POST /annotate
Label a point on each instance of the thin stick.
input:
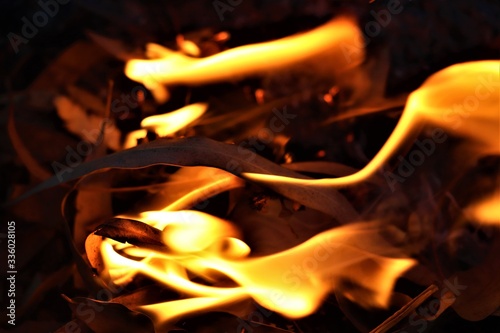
(405, 310)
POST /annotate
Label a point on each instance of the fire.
(293, 282)
(167, 124)
(462, 99)
(486, 210)
(205, 258)
(167, 67)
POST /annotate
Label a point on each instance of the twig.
(405, 310)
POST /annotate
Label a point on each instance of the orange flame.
(486, 210)
(166, 124)
(169, 123)
(293, 282)
(169, 67)
(462, 99)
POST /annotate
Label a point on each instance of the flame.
(187, 46)
(169, 123)
(166, 124)
(486, 210)
(463, 99)
(167, 67)
(132, 137)
(205, 258)
(293, 282)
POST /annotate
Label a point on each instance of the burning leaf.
(132, 232)
(201, 151)
(196, 184)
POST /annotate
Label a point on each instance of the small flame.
(166, 124)
(487, 210)
(462, 99)
(187, 46)
(169, 123)
(133, 137)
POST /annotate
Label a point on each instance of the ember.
(210, 176)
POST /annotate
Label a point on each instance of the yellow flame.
(166, 124)
(188, 47)
(463, 99)
(293, 282)
(328, 41)
(132, 137)
(487, 210)
(169, 123)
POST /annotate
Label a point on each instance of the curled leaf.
(107, 317)
(196, 151)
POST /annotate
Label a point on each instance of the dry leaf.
(197, 151)
(86, 126)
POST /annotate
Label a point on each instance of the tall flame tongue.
(293, 282)
(329, 41)
(462, 99)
